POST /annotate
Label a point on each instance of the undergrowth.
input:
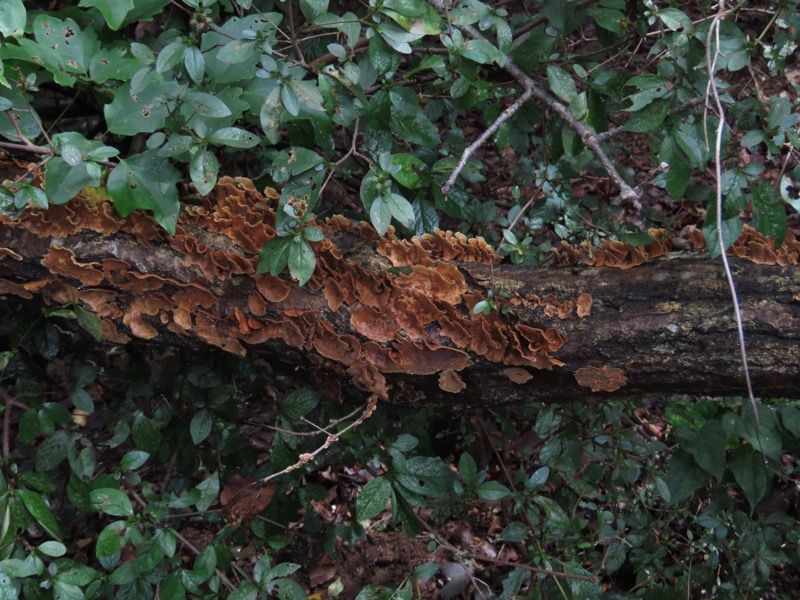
(135, 474)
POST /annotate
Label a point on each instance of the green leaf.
(145, 434)
(82, 400)
(294, 161)
(209, 490)
(555, 517)
(561, 83)
(731, 228)
(302, 260)
(381, 56)
(238, 51)
(207, 105)
(401, 209)
(514, 532)
(684, 477)
(299, 403)
(234, 137)
(769, 214)
(62, 181)
(112, 539)
(247, 592)
(648, 118)
(205, 564)
(170, 55)
(12, 18)
(373, 498)
(143, 112)
(468, 469)
(133, 460)
(308, 95)
(290, 100)
(146, 182)
(194, 63)
(51, 548)
(680, 170)
(200, 426)
(539, 477)
(203, 170)
(52, 451)
(313, 234)
(89, 322)
(482, 52)
(380, 215)
(287, 589)
(274, 256)
(411, 171)
(111, 501)
(492, 490)
(706, 446)
(40, 511)
(751, 474)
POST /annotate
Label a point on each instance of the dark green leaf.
(514, 532)
(684, 477)
(133, 460)
(555, 516)
(52, 451)
(648, 118)
(40, 511)
(89, 322)
(209, 490)
(706, 446)
(299, 403)
(561, 83)
(145, 434)
(82, 400)
(751, 474)
(769, 214)
(200, 426)
(468, 469)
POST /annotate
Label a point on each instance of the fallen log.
(395, 317)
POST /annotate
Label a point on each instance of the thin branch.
(192, 548)
(533, 89)
(332, 438)
(607, 135)
(467, 154)
(711, 64)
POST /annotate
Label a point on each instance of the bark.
(394, 318)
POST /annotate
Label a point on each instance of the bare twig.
(332, 438)
(192, 548)
(533, 89)
(714, 96)
(467, 154)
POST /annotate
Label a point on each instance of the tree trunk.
(394, 318)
